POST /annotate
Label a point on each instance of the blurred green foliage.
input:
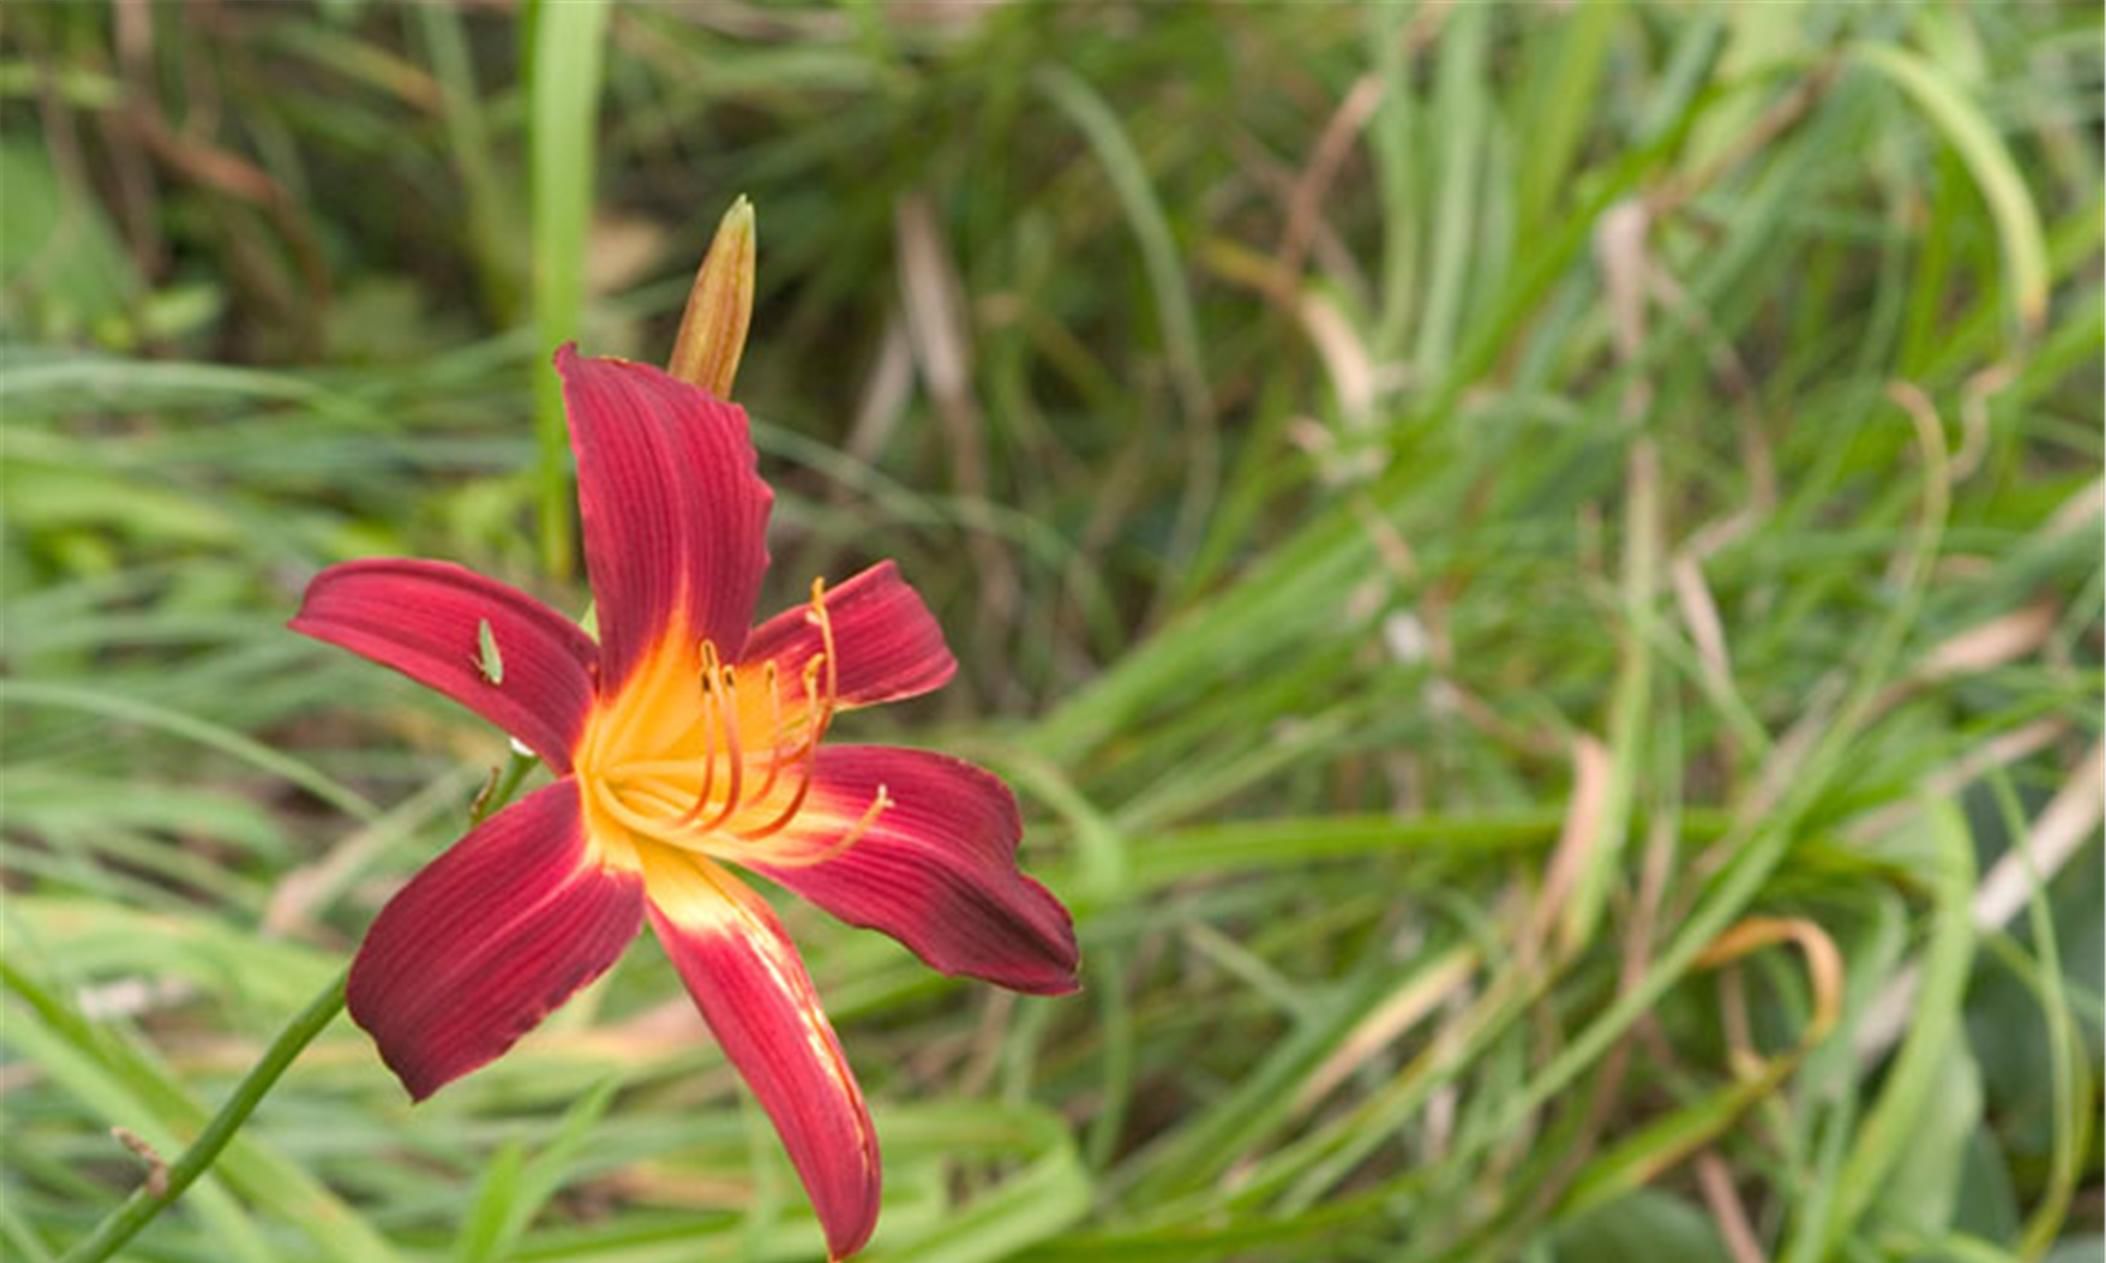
(1445, 510)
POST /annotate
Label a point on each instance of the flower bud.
(719, 307)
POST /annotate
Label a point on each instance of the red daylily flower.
(681, 741)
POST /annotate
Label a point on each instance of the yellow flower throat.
(697, 755)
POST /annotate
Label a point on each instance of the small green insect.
(490, 662)
(481, 806)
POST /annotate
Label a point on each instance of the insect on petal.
(439, 624)
(935, 868)
(490, 938)
(746, 978)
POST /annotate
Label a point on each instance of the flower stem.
(138, 1210)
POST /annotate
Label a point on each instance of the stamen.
(707, 652)
(775, 759)
(825, 620)
(728, 707)
(671, 799)
(819, 710)
(877, 807)
(807, 755)
(656, 827)
(814, 701)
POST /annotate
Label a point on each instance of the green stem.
(139, 1209)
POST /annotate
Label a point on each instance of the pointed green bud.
(719, 308)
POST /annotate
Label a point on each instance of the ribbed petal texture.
(424, 619)
(746, 978)
(489, 939)
(936, 869)
(890, 645)
(675, 513)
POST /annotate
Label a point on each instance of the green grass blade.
(1948, 106)
(566, 70)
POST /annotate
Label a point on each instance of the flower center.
(698, 755)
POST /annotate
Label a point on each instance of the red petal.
(423, 618)
(675, 516)
(746, 977)
(889, 643)
(489, 939)
(935, 870)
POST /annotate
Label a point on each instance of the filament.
(707, 652)
(775, 760)
(656, 827)
(807, 755)
(728, 709)
(647, 794)
(877, 807)
(819, 707)
(825, 620)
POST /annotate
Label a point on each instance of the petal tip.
(1061, 979)
(856, 1237)
(416, 1083)
(1053, 988)
(752, 989)
(419, 1090)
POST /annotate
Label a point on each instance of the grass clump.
(1538, 572)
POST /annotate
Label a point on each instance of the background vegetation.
(1532, 565)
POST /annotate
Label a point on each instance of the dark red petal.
(423, 619)
(935, 870)
(489, 939)
(675, 515)
(746, 977)
(889, 643)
